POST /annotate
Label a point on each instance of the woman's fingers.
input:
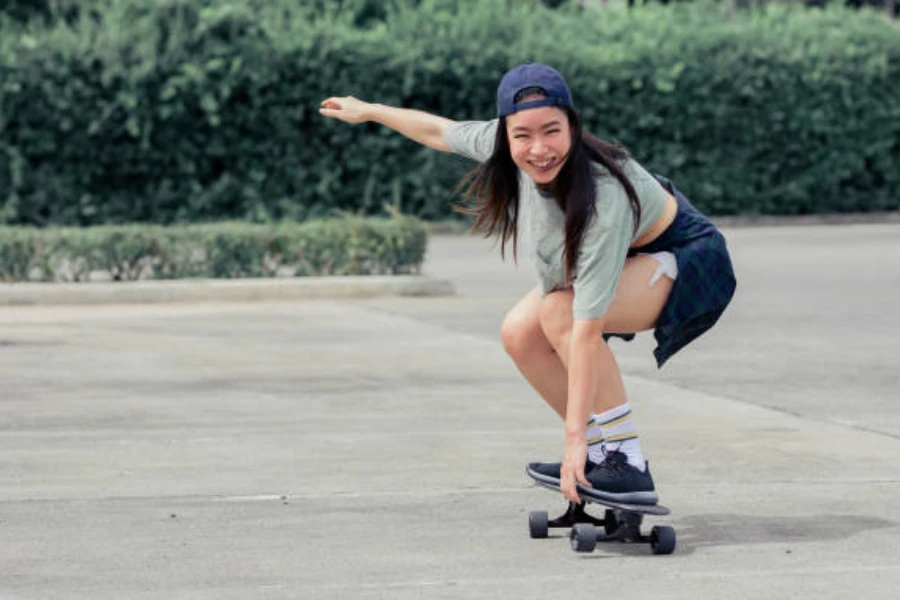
(347, 109)
(330, 103)
(580, 477)
(572, 469)
(567, 484)
(568, 489)
(330, 107)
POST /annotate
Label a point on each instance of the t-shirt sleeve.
(473, 139)
(604, 249)
(651, 193)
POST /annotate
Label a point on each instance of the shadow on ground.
(728, 529)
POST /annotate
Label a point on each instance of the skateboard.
(620, 523)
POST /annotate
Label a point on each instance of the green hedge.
(186, 111)
(345, 246)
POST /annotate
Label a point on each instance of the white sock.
(620, 433)
(594, 440)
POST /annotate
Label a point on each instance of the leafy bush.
(187, 111)
(345, 246)
(23, 10)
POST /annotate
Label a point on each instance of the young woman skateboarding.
(617, 251)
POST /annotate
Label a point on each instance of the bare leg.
(528, 327)
(525, 342)
(635, 307)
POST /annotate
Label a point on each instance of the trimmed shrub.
(182, 111)
(346, 246)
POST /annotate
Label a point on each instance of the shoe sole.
(643, 498)
(647, 498)
(545, 480)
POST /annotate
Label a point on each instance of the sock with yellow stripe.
(594, 440)
(619, 433)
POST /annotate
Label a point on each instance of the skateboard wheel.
(583, 537)
(662, 539)
(538, 524)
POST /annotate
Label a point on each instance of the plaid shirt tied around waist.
(705, 282)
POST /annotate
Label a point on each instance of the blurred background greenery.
(186, 111)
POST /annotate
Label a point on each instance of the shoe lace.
(614, 462)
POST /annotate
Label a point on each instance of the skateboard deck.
(621, 522)
(643, 509)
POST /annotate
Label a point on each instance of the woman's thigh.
(637, 304)
(635, 307)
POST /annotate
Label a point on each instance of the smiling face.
(539, 141)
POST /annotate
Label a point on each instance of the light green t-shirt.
(541, 225)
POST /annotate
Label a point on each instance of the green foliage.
(23, 10)
(184, 111)
(345, 246)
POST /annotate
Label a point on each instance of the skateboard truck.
(622, 526)
(539, 523)
(617, 525)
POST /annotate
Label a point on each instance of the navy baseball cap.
(532, 75)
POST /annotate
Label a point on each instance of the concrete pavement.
(374, 448)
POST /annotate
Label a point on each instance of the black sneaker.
(547, 474)
(615, 480)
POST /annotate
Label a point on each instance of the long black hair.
(491, 190)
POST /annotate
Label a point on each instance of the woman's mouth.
(543, 166)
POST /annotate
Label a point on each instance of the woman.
(617, 251)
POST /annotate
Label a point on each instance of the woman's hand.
(572, 470)
(424, 128)
(347, 109)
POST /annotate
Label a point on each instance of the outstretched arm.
(421, 127)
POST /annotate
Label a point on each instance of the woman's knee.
(519, 334)
(521, 329)
(556, 316)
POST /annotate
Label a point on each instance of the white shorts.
(668, 266)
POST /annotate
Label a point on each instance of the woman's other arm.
(595, 384)
(421, 127)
